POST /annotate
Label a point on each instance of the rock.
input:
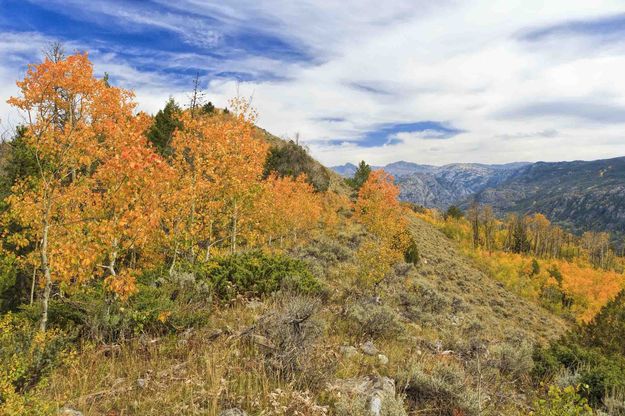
(372, 395)
(68, 411)
(382, 359)
(383, 391)
(368, 348)
(141, 383)
(254, 305)
(233, 412)
(348, 351)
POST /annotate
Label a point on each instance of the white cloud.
(465, 63)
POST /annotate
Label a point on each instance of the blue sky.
(430, 82)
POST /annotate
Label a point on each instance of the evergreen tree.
(454, 212)
(208, 108)
(292, 160)
(360, 176)
(607, 329)
(165, 123)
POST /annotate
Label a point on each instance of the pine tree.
(165, 123)
(360, 176)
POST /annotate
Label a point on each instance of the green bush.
(411, 255)
(602, 373)
(594, 351)
(291, 159)
(453, 212)
(256, 274)
(607, 330)
(26, 357)
(155, 309)
(562, 402)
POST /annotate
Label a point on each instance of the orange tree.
(379, 210)
(287, 208)
(76, 127)
(218, 165)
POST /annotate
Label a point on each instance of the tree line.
(534, 235)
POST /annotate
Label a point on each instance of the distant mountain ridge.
(578, 195)
(440, 186)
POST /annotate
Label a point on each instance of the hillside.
(423, 333)
(579, 195)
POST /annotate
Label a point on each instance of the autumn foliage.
(574, 276)
(104, 204)
(379, 210)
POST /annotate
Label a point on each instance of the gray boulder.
(233, 412)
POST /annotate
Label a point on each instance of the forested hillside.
(440, 186)
(191, 263)
(580, 196)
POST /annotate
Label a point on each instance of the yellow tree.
(287, 208)
(379, 210)
(73, 123)
(218, 164)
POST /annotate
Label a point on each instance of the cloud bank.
(429, 82)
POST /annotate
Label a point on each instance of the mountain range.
(578, 195)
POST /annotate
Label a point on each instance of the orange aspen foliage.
(130, 210)
(288, 208)
(75, 124)
(378, 208)
(218, 164)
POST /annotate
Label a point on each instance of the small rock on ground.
(233, 412)
(368, 348)
(68, 411)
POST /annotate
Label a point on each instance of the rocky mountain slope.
(580, 195)
(440, 186)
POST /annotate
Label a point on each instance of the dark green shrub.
(607, 329)
(595, 352)
(411, 255)
(601, 372)
(453, 212)
(256, 273)
(155, 309)
(291, 159)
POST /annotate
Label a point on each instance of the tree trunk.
(32, 286)
(45, 267)
(234, 229)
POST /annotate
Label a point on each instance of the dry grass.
(445, 307)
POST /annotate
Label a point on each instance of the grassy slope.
(503, 312)
(443, 304)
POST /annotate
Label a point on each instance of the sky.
(430, 82)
